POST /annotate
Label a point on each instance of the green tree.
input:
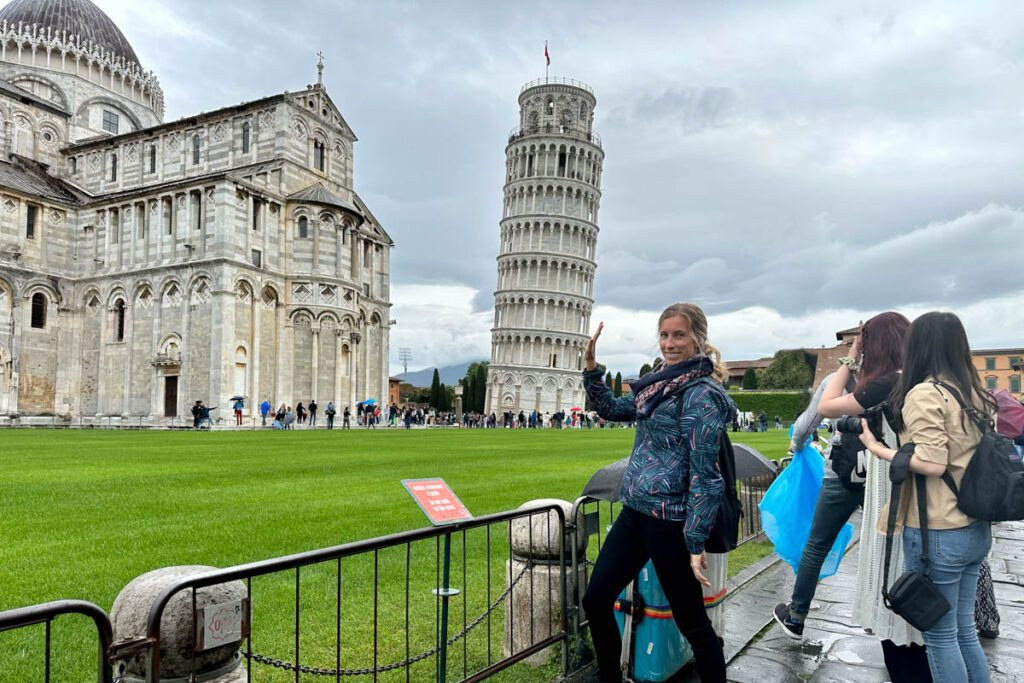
(750, 379)
(474, 384)
(435, 390)
(645, 368)
(443, 400)
(481, 386)
(608, 380)
(618, 385)
(788, 370)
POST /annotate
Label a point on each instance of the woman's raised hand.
(589, 356)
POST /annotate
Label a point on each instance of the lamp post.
(458, 404)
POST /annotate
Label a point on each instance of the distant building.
(738, 368)
(393, 397)
(1000, 369)
(826, 360)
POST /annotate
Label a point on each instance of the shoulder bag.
(914, 596)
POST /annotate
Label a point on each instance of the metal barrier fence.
(374, 548)
(45, 614)
(492, 535)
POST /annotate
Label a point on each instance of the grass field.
(84, 512)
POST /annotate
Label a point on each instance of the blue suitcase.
(650, 637)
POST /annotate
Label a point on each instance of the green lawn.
(84, 512)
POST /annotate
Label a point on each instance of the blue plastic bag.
(787, 510)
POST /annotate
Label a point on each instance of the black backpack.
(724, 533)
(992, 488)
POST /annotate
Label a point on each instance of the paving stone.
(758, 669)
(1015, 567)
(837, 672)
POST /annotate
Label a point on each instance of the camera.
(849, 424)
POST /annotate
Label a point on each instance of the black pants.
(633, 539)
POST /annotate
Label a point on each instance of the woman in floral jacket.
(671, 489)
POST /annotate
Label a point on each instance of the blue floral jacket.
(673, 469)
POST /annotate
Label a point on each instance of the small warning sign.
(437, 501)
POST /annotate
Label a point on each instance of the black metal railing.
(475, 534)
(45, 613)
(556, 80)
(570, 131)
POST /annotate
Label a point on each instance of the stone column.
(533, 609)
(339, 350)
(314, 366)
(128, 325)
(255, 394)
(218, 664)
(285, 358)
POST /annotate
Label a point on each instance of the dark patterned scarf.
(654, 387)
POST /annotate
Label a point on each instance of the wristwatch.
(849, 362)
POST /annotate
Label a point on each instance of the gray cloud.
(796, 157)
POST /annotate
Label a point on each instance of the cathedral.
(145, 265)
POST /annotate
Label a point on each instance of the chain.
(317, 671)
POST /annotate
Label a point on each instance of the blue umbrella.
(368, 402)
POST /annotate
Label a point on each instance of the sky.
(794, 168)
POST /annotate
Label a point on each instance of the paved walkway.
(834, 649)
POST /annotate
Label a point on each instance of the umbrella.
(1010, 416)
(606, 484)
(751, 463)
(237, 398)
(367, 402)
(575, 409)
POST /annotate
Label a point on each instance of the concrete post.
(533, 609)
(220, 664)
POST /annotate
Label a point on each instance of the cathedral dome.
(80, 18)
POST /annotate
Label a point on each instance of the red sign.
(437, 501)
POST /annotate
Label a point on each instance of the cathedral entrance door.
(171, 396)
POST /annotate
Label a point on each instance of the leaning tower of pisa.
(546, 262)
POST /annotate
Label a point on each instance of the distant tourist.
(330, 411)
(264, 411)
(238, 406)
(312, 413)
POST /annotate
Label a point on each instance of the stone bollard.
(714, 597)
(221, 664)
(533, 608)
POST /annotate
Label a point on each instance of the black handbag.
(914, 596)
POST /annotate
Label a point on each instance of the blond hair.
(699, 333)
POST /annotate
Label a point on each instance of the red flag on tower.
(546, 55)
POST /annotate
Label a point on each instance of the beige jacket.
(932, 420)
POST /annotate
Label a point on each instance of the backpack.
(724, 533)
(992, 488)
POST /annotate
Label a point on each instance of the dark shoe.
(791, 627)
(988, 634)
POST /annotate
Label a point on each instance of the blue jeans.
(955, 556)
(835, 505)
